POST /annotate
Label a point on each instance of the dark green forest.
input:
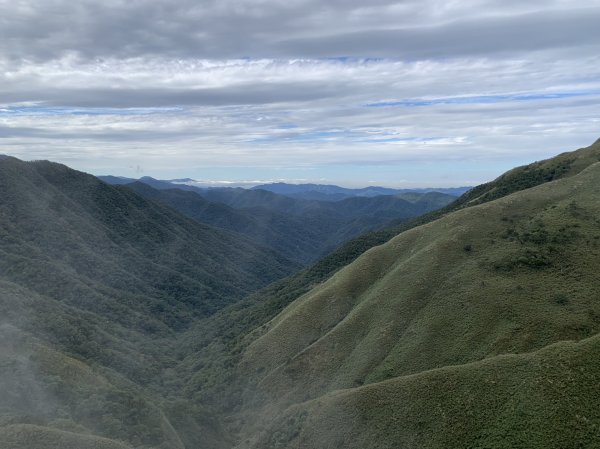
(301, 230)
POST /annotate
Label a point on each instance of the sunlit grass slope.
(542, 400)
(507, 276)
(511, 275)
(37, 437)
(228, 331)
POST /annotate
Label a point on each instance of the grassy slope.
(509, 276)
(513, 181)
(220, 341)
(542, 400)
(148, 416)
(36, 437)
(520, 178)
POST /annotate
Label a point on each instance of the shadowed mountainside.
(300, 230)
(95, 284)
(64, 232)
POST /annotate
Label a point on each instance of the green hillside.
(546, 399)
(219, 340)
(520, 178)
(36, 437)
(96, 283)
(508, 276)
(537, 250)
(71, 237)
(124, 324)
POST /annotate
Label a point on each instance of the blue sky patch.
(479, 99)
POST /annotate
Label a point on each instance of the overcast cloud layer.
(407, 93)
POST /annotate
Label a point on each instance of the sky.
(414, 93)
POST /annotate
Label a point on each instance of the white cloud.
(469, 81)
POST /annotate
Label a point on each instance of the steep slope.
(475, 327)
(67, 235)
(536, 250)
(512, 275)
(542, 400)
(95, 284)
(220, 340)
(412, 324)
(564, 165)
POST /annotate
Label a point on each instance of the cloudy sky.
(398, 93)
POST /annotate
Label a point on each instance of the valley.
(302, 230)
(146, 316)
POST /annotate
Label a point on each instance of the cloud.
(267, 85)
(482, 36)
(304, 28)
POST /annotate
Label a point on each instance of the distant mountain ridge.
(300, 229)
(328, 192)
(321, 192)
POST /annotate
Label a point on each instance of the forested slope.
(95, 285)
(301, 230)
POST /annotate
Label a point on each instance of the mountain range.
(320, 192)
(128, 323)
(327, 192)
(301, 230)
(473, 326)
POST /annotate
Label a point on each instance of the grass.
(38, 437)
(220, 341)
(422, 302)
(542, 400)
